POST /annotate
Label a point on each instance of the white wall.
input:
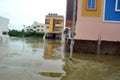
(3, 26)
(41, 28)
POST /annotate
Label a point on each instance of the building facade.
(97, 26)
(4, 27)
(69, 13)
(56, 25)
(37, 27)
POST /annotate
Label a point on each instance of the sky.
(25, 12)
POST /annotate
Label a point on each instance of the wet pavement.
(37, 59)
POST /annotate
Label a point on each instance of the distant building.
(4, 27)
(56, 25)
(37, 27)
(97, 24)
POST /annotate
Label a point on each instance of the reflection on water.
(51, 74)
(92, 67)
(35, 43)
(53, 49)
(46, 60)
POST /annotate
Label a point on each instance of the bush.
(15, 33)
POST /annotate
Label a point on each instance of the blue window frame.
(91, 4)
(117, 5)
(110, 15)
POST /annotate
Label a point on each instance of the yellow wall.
(89, 13)
(51, 25)
(48, 51)
(59, 25)
(49, 48)
(56, 25)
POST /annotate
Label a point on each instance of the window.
(4, 33)
(117, 5)
(42, 26)
(91, 4)
(31, 29)
(47, 27)
(28, 29)
(58, 28)
(38, 26)
(58, 21)
(38, 30)
(34, 26)
(110, 15)
(47, 21)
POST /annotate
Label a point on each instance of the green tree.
(16, 33)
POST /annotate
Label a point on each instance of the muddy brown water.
(37, 59)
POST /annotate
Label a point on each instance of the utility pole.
(99, 44)
(23, 35)
(73, 29)
(23, 31)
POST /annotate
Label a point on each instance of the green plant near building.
(16, 33)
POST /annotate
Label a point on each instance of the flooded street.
(37, 59)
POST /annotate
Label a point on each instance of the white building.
(37, 27)
(4, 27)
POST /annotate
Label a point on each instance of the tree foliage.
(16, 33)
(66, 31)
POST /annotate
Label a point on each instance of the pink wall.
(89, 28)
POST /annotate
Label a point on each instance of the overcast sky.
(25, 12)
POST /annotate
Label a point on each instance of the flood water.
(37, 59)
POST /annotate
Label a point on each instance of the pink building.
(97, 26)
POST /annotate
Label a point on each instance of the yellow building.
(56, 25)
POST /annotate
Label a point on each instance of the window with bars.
(91, 4)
